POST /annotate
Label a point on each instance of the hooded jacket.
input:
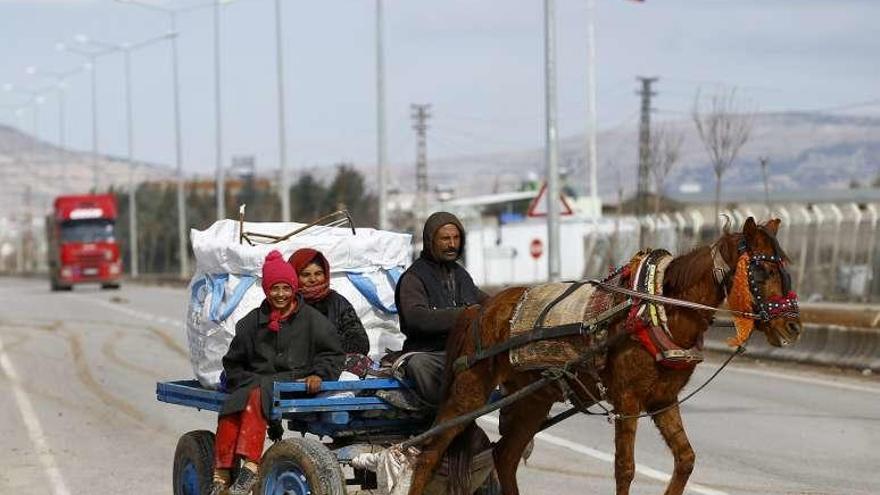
(432, 293)
(334, 305)
(306, 344)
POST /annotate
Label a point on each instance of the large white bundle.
(226, 285)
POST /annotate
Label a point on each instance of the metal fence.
(832, 247)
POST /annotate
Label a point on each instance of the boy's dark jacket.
(307, 344)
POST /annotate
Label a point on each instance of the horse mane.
(687, 269)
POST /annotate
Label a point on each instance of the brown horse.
(635, 381)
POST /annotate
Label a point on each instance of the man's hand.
(313, 384)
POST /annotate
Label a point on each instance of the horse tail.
(459, 457)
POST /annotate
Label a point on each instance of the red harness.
(646, 321)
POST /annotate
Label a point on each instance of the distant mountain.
(27, 162)
(805, 151)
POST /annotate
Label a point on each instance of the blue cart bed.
(302, 465)
(336, 417)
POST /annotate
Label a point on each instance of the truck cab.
(82, 242)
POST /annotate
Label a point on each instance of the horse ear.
(750, 228)
(773, 226)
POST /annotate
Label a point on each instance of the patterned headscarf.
(305, 257)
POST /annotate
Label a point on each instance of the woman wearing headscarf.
(282, 340)
(313, 272)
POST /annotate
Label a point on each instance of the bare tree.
(665, 152)
(724, 129)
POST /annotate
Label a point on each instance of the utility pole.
(644, 151)
(591, 159)
(92, 57)
(420, 115)
(218, 119)
(551, 151)
(183, 248)
(284, 184)
(127, 49)
(132, 187)
(380, 120)
(182, 245)
(27, 231)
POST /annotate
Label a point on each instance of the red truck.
(82, 242)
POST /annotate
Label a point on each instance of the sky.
(478, 63)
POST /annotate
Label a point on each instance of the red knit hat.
(275, 270)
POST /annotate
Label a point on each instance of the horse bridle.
(785, 306)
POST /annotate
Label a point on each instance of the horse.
(635, 382)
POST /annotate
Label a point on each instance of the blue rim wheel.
(300, 466)
(193, 463)
(189, 481)
(286, 478)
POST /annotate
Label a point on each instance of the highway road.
(78, 373)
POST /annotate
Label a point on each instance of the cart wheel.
(194, 463)
(299, 466)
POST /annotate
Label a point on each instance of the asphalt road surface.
(79, 414)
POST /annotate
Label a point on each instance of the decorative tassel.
(740, 299)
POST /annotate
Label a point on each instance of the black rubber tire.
(196, 450)
(113, 286)
(317, 464)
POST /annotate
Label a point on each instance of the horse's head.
(761, 267)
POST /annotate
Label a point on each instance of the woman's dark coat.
(307, 344)
(341, 314)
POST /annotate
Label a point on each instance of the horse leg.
(468, 392)
(624, 446)
(521, 421)
(671, 427)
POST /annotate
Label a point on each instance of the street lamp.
(92, 57)
(35, 99)
(126, 49)
(181, 204)
(60, 79)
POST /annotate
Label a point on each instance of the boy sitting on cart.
(283, 340)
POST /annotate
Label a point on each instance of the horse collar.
(720, 269)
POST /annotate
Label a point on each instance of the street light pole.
(592, 161)
(221, 176)
(126, 49)
(35, 99)
(380, 120)
(183, 249)
(551, 152)
(132, 189)
(92, 57)
(60, 79)
(284, 186)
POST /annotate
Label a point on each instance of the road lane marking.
(35, 431)
(168, 322)
(806, 379)
(609, 458)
